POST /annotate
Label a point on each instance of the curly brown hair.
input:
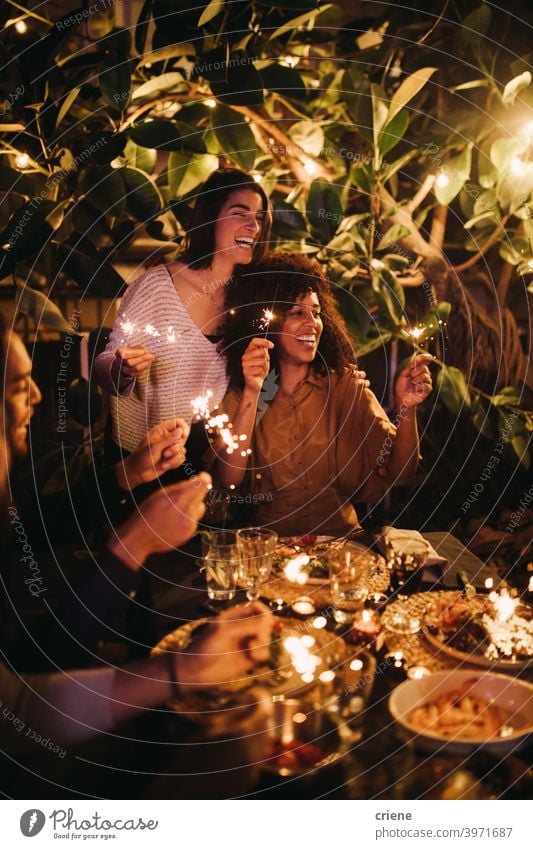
(276, 284)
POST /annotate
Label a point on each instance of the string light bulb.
(22, 160)
(211, 102)
(21, 27)
(442, 180)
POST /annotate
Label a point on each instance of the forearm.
(405, 452)
(231, 468)
(141, 686)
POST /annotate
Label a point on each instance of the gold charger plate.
(279, 588)
(283, 680)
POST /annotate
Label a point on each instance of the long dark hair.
(199, 244)
(276, 284)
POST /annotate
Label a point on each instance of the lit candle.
(303, 606)
(366, 628)
(417, 672)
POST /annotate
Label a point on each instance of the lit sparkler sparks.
(294, 570)
(264, 322)
(218, 425)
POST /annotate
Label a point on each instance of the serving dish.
(510, 699)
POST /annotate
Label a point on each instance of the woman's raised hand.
(133, 361)
(256, 363)
(414, 382)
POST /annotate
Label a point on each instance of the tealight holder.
(366, 629)
(303, 606)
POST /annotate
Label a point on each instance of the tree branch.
(488, 244)
(421, 194)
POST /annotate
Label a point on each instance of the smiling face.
(21, 396)
(238, 225)
(301, 331)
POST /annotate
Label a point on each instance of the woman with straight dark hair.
(163, 349)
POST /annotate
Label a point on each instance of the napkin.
(400, 539)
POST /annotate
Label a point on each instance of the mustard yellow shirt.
(312, 451)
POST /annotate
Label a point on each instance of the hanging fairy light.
(21, 27)
(22, 160)
(442, 180)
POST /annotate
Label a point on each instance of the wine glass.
(256, 550)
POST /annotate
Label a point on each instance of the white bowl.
(513, 696)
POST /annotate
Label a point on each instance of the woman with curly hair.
(322, 437)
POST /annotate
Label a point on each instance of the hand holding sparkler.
(256, 364)
(414, 382)
(133, 361)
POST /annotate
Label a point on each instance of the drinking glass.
(407, 566)
(349, 572)
(256, 549)
(221, 563)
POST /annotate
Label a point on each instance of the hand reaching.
(414, 382)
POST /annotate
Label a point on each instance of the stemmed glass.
(256, 550)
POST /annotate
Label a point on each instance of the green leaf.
(476, 25)
(363, 177)
(165, 53)
(390, 169)
(115, 83)
(479, 411)
(307, 20)
(234, 136)
(288, 222)
(451, 386)
(285, 81)
(392, 236)
(243, 85)
(520, 445)
(408, 89)
(37, 306)
(211, 11)
(104, 188)
(393, 132)
(186, 171)
(389, 296)
(509, 395)
(504, 150)
(309, 136)
(160, 84)
(515, 86)
(324, 209)
(67, 103)
(457, 170)
(157, 133)
(143, 198)
(379, 112)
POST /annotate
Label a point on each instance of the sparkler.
(217, 425)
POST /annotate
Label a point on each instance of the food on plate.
(294, 755)
(459, 713)
(483, 626)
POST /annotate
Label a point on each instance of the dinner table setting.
(400, 665)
